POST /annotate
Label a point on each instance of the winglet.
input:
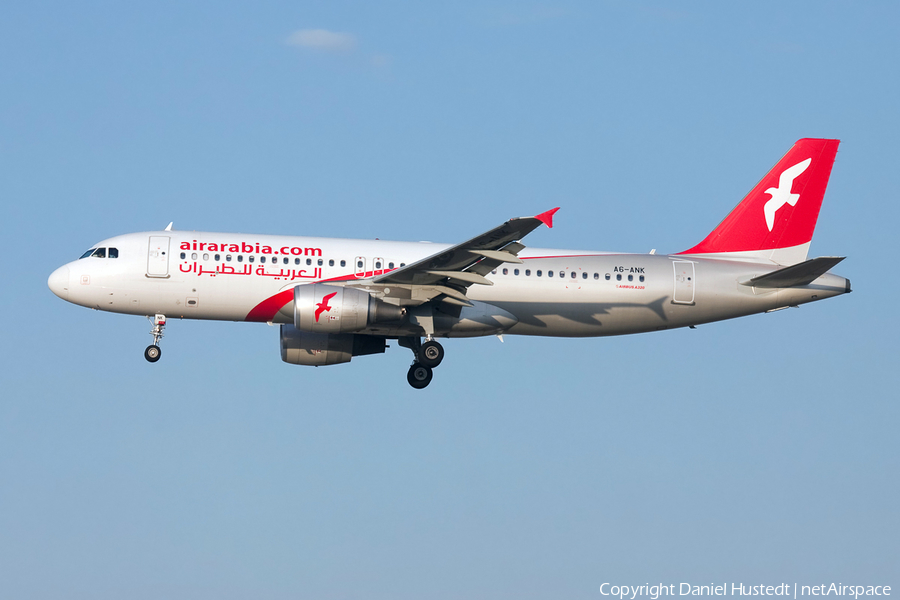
(547, 217)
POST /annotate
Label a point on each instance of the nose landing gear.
(427, 356)
(153, 353)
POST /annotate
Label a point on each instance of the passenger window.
(331, 262)
(515, 271)
(378, 265)
(607, 276)
(596, 275)
(562, 273)
(539, 272)
(631, 278)
(642, 278)
(286, 260)
(193, 256)
(343, 263)
(321, 262)
(527, 272)
(217, 257)
(91, 251)
(308, 261)
(99, 253)
(402, 265)
(506, 271)
(250, 258)
(549, 273)
(574, 274)
(618, 277)
(359, 264)
(584, 275)
(240, 258)
(183, 255)
(205, 256)
(296, 261)
(494, 272)
(390, 265)
(114, 253)
(227, 258)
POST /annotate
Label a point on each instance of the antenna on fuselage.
(169, 226)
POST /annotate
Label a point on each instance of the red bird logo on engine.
(323, 305)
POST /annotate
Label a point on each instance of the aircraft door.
(684, 282)
(158, 256)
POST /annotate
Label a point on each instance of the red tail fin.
(776, 220)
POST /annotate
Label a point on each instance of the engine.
(323, 308)
(321, 349)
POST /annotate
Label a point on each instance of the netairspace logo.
(654, 592)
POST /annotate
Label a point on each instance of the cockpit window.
(86, 254)
(113, 253)
(99, 253)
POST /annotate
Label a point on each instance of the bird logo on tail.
(782, 194)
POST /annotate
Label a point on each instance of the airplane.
(336, 299)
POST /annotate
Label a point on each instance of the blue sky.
(757, 450)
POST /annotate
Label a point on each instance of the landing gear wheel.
(152, 353)
(419, 376)
(431, 354)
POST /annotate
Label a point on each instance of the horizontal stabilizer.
(796, 275)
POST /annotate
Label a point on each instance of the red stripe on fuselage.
(266, 310)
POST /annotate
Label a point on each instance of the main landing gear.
(427, 356)
(153, 353)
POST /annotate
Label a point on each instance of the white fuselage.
(243, 277)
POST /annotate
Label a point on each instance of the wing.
(451, 271)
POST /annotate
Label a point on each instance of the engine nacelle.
(323, 308)
(321, 349)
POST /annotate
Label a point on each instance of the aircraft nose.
(59, 282)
